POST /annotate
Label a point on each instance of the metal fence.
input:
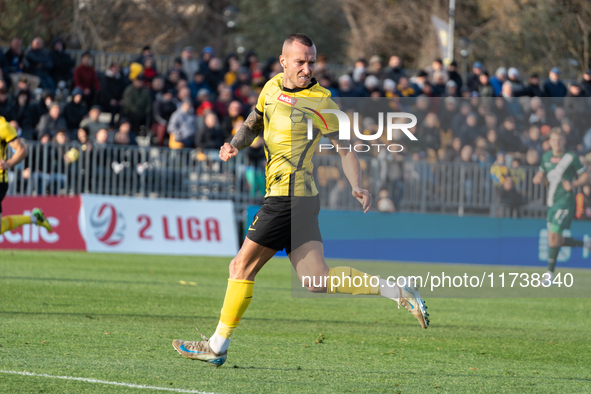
(452, 188)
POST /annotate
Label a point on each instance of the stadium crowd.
(499, 120)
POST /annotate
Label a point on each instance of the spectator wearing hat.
(182, 127)
(190, 64)
(554, 87)
(162, 109)
(75, 111)
(395, 69)
(474, 78)
(206, 55)
(111, 94)
(40, 64)
(85, 77)
(533, 88)
(454, 75)
(498, 79)
(63, 64)
(92, 123)
(51, 122)
(136, 103)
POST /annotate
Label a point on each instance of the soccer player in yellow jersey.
(288, 218)
(8, 137)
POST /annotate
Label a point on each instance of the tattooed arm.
(249, 130)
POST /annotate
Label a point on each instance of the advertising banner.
(158, 226)
(62, 213)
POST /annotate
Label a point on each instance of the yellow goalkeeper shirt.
(288, 149)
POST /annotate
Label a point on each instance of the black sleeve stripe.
(9, 141)
(257, 111)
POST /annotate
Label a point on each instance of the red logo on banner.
(108, 225)
(62, 213)
(287, 99)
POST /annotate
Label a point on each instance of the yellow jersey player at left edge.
(8, 138)
(288, 217)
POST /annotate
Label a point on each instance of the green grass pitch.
(113, 317)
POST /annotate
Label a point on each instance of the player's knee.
(237, 267)
(315, 284)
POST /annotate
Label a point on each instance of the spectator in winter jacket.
(554, 86)
(85, 78)
(111, 94)
(92, 123)
(52, 122)
(395, 69)
(533, 88)
(485, 89)
(40, 64)
(498, 80)
(198, 83)
(453, 75)
(182, 127)
(15, 57)
(125, 136)
(474, 78)
(162, 110)
(74, 112)
(210, 135)
(136, 103)
(63, 64)
(214, 75)
(6, 109)
(190, 64)
(26, 114)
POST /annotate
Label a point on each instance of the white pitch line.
(87, 380)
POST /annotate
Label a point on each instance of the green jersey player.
(564, 172)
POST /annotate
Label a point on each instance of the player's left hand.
(4, 165)
(363, 197)
(567, 185)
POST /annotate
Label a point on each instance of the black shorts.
(286, 222)
(3, 190)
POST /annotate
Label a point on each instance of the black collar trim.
(295, 90)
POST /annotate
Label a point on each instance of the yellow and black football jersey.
(7, 135)
(287, 147)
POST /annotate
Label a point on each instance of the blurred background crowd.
(497, 118)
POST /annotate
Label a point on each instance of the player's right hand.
(227, 151)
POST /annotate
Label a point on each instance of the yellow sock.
(238, 296)
(14, 221)
(348, 280)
